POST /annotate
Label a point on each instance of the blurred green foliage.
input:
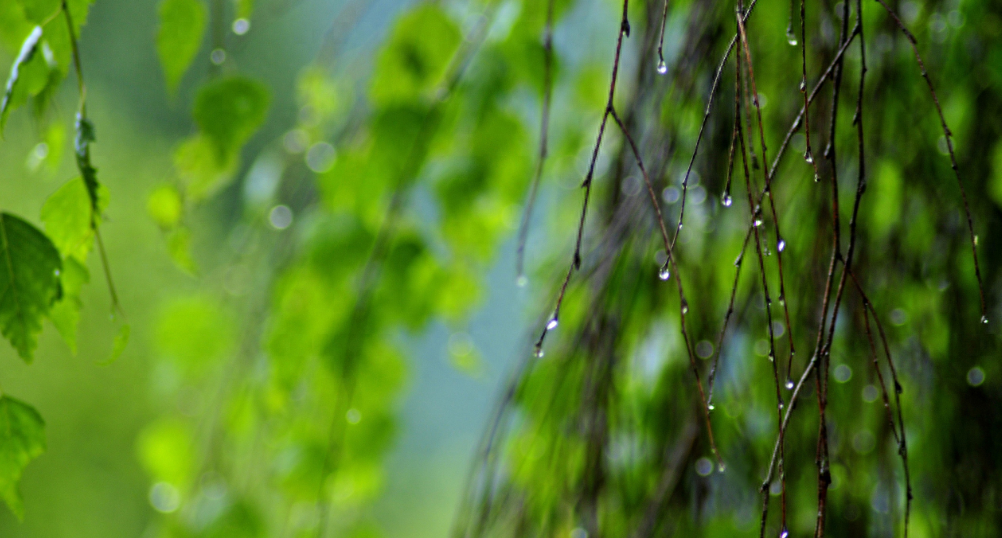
(319, 225)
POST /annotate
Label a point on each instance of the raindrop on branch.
(664, 273)
(726, 200)
(781, 245)
(662, 68)
(791, 37)
(552, 324)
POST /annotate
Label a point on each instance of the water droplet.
(218, 56)
(808, 157)
(803, 86)
(772, 358)
(782, 298)
(241, 26)
(662, 68)
(539, 352)
(984, 319)
(664, 273)
(782, 404)
(791, 37)
(685, 306)
(784, 533)
(789, 384)
(780, 247)
(721, 467)
(57, 272)
(726, 200)
(552, 324)
(758, 222)
(522, 281)
(737, 262)
(975, 240)
(710, 407)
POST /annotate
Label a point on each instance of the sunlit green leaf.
(22, 439)
(182, 24)
(67, 218)
(29, 282)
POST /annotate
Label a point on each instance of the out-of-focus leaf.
(243, 8)
(22, 439)
(166, 449)
(65, 314)
(182, 25)
(415, 56)
(179, 248)
(228, 111)
(199, 168)
(164, 206)
(29, 50)
(195, 332)
(29, 282)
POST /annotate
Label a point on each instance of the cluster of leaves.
(43, 272)
(333, 261)
(379, 210)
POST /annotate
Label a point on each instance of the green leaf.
(416, 56)
(182, 25)
(67, 215)
(28, 51)
(65, 314)
(228, 111)
(22, 439)
(29, 282)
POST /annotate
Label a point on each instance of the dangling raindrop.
(552, 323)
(975, 240)
(782, 298)
(758, 222)
(685, 306)
(710, 407)
(782, 404)
(726, 200)
(664, 273)
(784, 533)
(817, 178)
(808, 157)
(789, 383)
(521, 281)
(772, 358)
(791, 37)
(984, 320)
(803, 86)
(737, 262)
(721, 467)
(539, 352)
(662, 68)
(781, 246)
